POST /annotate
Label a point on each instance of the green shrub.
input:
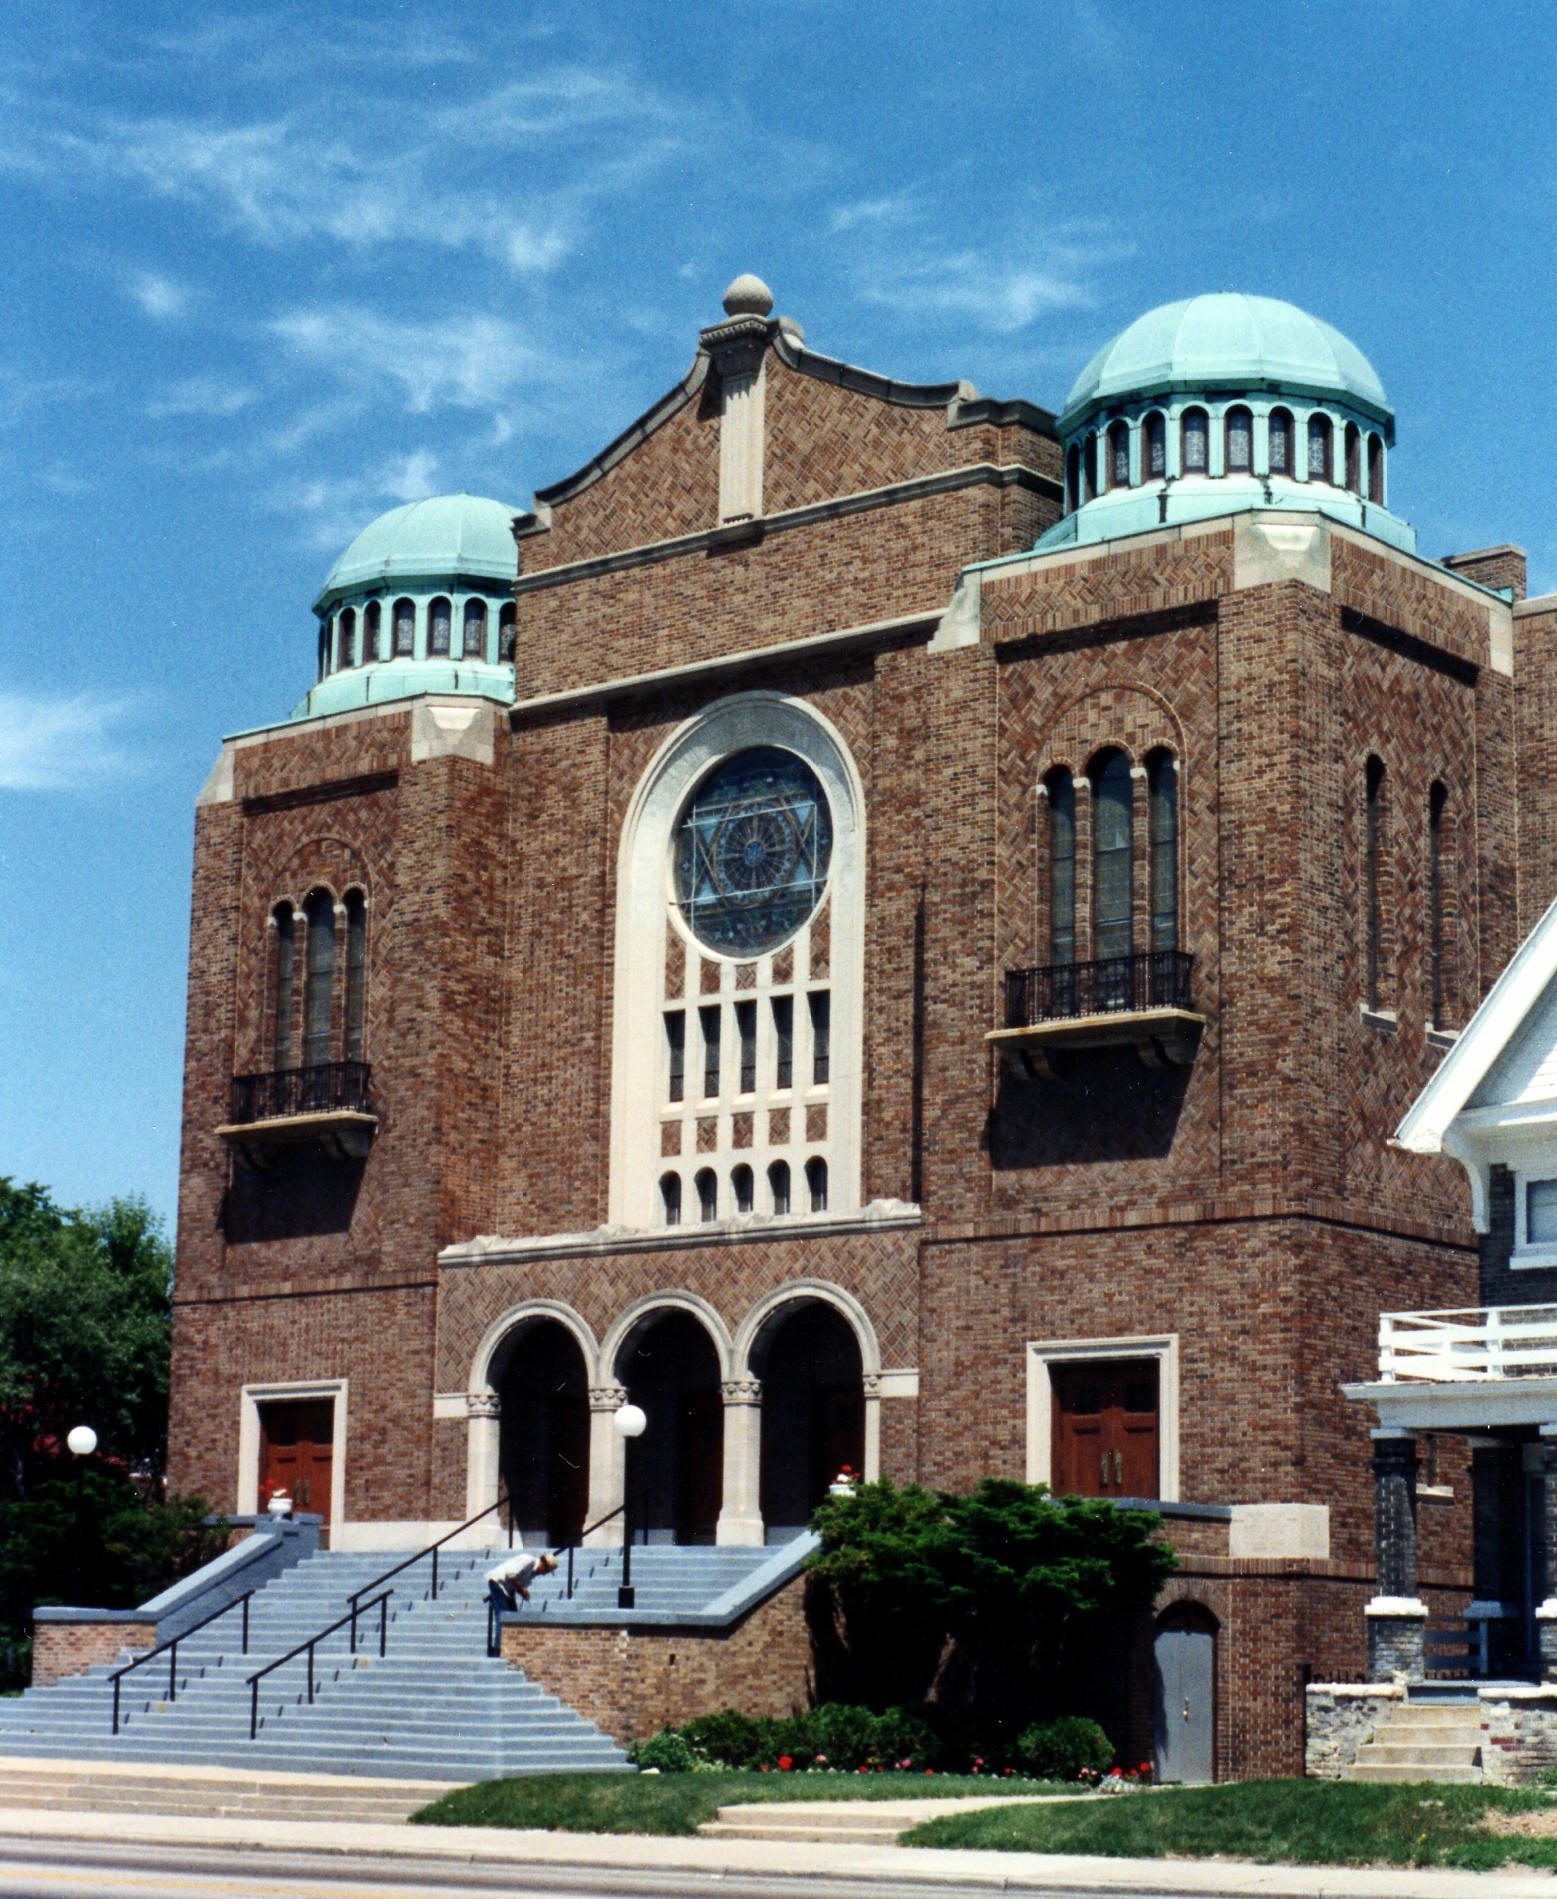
(1064, 1749)
(729, 1737)
(666, 1751)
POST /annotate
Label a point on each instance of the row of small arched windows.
(743, 1190)
(315, 924)
(339, 644)
(1103, 462)
(1110, 790)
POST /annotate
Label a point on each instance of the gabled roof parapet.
(737, 343)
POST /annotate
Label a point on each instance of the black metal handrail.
(432, 1550)
(381, 1603)
(324, 1088)
(170, 1649)
(610, 1515)
(1113, 985)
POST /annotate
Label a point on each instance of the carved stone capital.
(607, 1397)
(872, 1384)
(483, 1404)
(741, 1391)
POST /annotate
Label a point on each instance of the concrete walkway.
(773, 1858)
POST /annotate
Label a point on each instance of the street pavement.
(367, 1857)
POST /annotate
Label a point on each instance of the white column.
(741, 446)
(607, 1462)
(872, 1388)
(483, 1434)
(740, 1521)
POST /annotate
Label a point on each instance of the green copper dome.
(445, 536)
(1225, 341)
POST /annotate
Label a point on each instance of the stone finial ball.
(748, 296)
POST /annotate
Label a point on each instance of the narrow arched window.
(1162, 781)
(1280, 439)
(1373, 846)
(1073, 478)
(318, 975)
(405, 629)
(356, 972)
(372, 617)
(741, 1187)
(475, 629)
(281, 998)
(1119, 455)
(1154, 447)
(1195, 437)
(439, 620)
(670, 1199)
(707, 1184)
(1238, 441)
(1353, 458)
(345, 638)
(507, 623)
(1112, 790)
(1089, 468)
(816, 1183)
(326, 644)
(1437, 799)
(1319, 448)
(1062, 866)
(778, 1186)
(1376, 469)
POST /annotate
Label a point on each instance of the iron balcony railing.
(326, 1088)
(1114, 985)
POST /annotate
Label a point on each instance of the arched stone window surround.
(1118, 455)
(645, 905)
(643, 1311)
(483, 1433)
(796, 1292)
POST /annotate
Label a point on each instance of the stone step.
(818, 1833)
(1396, 1753)
(1407, 1776)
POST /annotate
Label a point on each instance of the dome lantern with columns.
(1220, 403)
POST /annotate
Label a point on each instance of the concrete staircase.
(812, 1822)
(209, 1793)
(435, 1707)
(1423, 1740)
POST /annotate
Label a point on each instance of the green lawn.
(678, 1803)
(1311, 1822)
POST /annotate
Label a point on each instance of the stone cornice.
(1230, 1209)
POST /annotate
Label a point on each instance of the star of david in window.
(752, 851)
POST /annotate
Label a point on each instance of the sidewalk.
(1021, 1872)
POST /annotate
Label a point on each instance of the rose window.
(752, 851)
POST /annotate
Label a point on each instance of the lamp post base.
(626, 1597)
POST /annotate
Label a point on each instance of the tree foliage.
(85, 1310)
(990, 1599)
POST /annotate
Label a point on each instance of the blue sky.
(272, 271)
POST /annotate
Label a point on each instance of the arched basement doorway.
(676, 1469)
(813, 1410)
(543, 1445)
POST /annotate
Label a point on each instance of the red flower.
(785, 1762)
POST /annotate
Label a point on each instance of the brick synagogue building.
(893, 929)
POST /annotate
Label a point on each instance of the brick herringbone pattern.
(1109, 587)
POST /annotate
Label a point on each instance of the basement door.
(1184, 1698)
(1105, 1428)
(297, 1452)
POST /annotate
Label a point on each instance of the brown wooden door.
(1105, 1428)
(297, 1448)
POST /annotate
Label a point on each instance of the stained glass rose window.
(752, 851)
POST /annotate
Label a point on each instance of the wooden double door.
(1105, 1415)
(297, 1452)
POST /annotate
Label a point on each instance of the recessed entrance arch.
(543, 1445)
(813, 1409)
(675, 1478)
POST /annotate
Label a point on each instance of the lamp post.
(629, 1421)
(81, 1443)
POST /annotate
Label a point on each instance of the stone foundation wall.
(71, 1648)
(631, 1682)
(1341, 1720)
(1518, 1734)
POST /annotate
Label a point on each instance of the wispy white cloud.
(463, 362)
(201, 396)
(160, 297)
(999, 289)
(62, 744)
(900, 207)
(332, 509)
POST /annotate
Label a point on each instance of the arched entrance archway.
(670, 1367)
(813, 1410)
(543, 1445)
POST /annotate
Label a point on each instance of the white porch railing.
(1480, 1342)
